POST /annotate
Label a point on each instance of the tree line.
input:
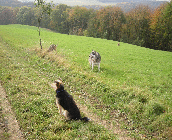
(140, 26)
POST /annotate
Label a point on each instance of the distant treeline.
(140, 26)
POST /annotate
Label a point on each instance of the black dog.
(65, 103)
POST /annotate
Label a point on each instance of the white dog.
(94, 59)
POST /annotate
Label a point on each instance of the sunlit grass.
(133, 80)
(27, 85)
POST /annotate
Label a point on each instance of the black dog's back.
(67, 102)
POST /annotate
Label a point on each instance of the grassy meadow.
(133, 87)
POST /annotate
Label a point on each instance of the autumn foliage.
(107, 23)
(141, 26)
(161, 27)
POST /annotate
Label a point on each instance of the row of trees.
(140, 26)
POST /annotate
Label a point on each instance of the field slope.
(132, 90)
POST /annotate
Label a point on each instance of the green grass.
(136, 82)
(34, 102)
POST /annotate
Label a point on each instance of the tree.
(167, 27)
(25, 15)
(15, 11)
(161, 27)
(45, 8)
(137, 30)
(59, 18)
(92, 25)
(78, 20)
(107, 22)
(6, 15)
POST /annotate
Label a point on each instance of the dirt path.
(9, 128)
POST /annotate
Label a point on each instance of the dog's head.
(57, 84)
(93, 52)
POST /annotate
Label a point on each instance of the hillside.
(132, 91)
(126, 5)
(15, 3)
(119, 1)
(132, 5)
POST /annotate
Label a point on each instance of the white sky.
(76, 2)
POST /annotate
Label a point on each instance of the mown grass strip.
(27, 86)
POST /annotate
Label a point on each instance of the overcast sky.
(76, 2)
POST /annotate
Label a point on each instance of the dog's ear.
(57, 83)
(60, 79)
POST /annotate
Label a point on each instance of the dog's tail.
(85, 119)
